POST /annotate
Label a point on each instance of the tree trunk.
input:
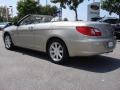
(76, 15)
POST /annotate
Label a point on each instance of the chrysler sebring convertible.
(60, 39)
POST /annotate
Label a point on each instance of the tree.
(4, 14)
(62, 5)
(48, 10)
(15, 19)
(25, 7)
(73, 5)
(62, 2)
(112, 6)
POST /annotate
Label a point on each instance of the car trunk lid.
(105, 29)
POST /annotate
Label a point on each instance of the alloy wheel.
(56, 51)
(7, 41)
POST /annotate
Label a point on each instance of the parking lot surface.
(23, 69)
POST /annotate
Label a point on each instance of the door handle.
(30, 28)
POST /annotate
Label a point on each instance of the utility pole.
(46, 2)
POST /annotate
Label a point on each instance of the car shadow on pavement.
(98, 64)
(30, 52)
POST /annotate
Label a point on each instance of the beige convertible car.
(60, 39)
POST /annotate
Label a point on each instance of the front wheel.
(57, 51)
(8, 42)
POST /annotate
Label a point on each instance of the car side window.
(35, 19)
(41, 19)
(32, 20)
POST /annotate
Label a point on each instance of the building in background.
(93, 11)
(4, 13)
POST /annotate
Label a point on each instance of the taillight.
(89, 31)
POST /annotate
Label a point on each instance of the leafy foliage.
(25, 7)
(15, 19)
(48, 10)
(112, 6)
(62, 2)
(72, 4)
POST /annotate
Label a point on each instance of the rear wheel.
(8, 42)
(57, 51)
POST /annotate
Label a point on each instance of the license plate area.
(110, 44)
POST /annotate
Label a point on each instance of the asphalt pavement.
(23, 69)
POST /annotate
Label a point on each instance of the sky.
(82, 9)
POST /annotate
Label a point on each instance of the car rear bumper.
(91, 47)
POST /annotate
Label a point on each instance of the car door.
(25, 34)
(41, 31)
(41, 35)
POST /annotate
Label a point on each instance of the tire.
(8, 42)
(57, 51)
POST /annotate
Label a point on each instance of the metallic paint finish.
(35, 36)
